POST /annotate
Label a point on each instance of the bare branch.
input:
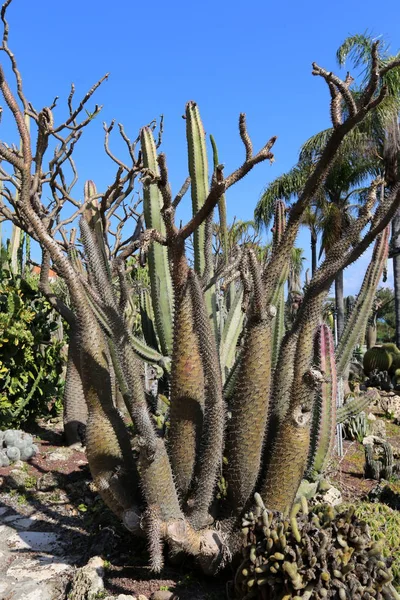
(108, 130)
(245, 136)
(341, 86)
(181, 192)
(76, 112)
(6, 49)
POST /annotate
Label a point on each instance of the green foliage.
(30, 359)
(385, 315)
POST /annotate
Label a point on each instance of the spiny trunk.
(395, 249)
(313, 253)
(339, 300)
(75, 409)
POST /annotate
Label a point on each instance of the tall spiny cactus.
(323, 429)
(140, 486)
(278, 299)
(202, 237)
(356, 324)
(160, 277)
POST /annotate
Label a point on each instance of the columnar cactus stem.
(324, 418)
(356, 324)
(160, 277)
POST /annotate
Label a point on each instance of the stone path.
(32, 563)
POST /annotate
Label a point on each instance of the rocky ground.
(53, 523)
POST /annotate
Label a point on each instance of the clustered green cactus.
(311, 554)
(382, 366)
(16, 445)
(379, 461)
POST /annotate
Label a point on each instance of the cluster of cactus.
(356, 427)
(241, 391)
(382, 366)
(384, 525)
(16, 445)
(379, 461)
(310, 554)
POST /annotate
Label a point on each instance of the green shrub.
(31, 360)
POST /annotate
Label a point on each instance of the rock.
(141, 597)
(333, 497)
(371, 440)
(17, 479)
(88, 581)
(36, 541)
(163, 595)
(371, 417)
(378, 428)
(128, 597)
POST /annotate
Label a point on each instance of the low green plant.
(384, 524)
(31, 360)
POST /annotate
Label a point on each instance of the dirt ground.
(56, 485)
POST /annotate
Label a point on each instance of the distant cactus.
(379, 462)
(377, 358)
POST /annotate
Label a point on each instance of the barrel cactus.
(377, 358)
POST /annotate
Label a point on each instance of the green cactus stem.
(354, 407)
(160, 277)
(187, 396)
(324, 414)
(356, 324)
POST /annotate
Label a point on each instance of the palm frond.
(285, 187)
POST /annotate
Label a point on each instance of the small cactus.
(320, 554)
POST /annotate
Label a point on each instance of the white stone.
(35, 571)
(36, 541)
(333, 497)
(19, 522)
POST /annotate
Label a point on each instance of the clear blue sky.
(229, 57)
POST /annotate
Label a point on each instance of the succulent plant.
(356, 427)
(377, 358)
(310, 554)
(18, 445)
(379, 461)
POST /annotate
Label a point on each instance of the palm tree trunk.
(395, 252)
(313, 252)
(339, 300)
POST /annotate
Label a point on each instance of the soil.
(58, 489)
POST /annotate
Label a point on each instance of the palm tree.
(333, 208)
(371, 149)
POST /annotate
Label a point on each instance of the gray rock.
(378, 428)
(163, 595)
(17, 479)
